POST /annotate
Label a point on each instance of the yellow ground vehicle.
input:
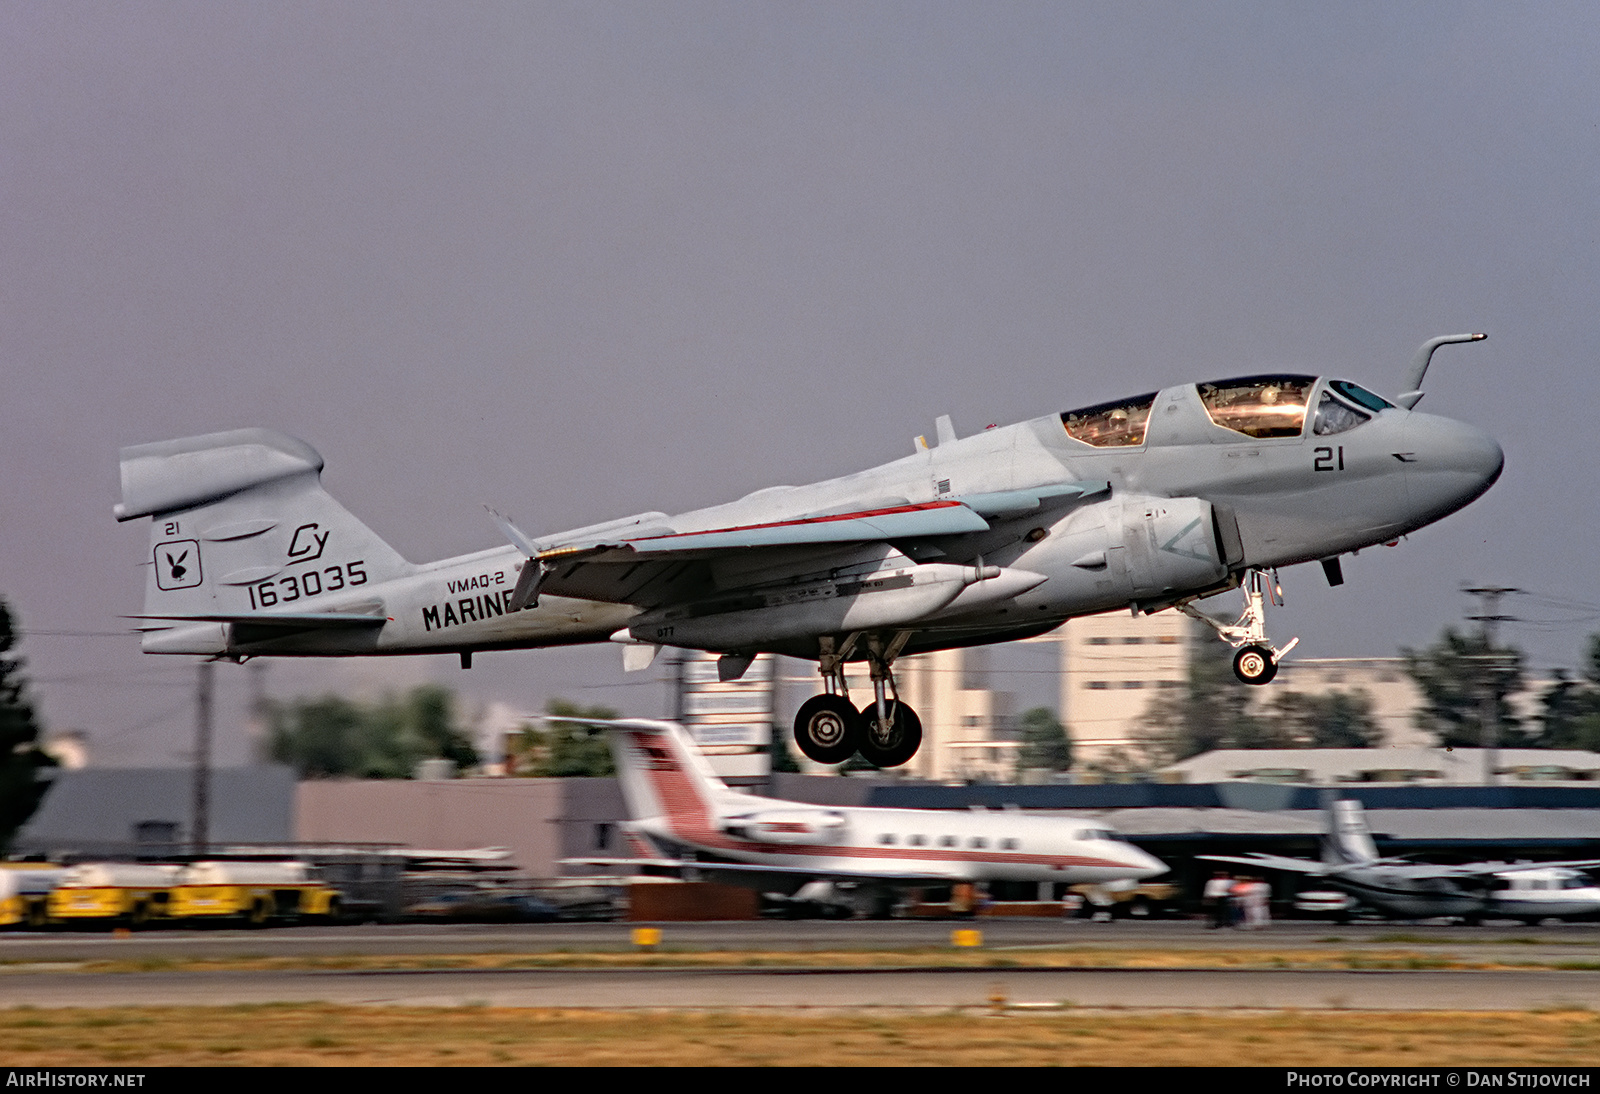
(25, 893)
(1137, 900)
(257, 892)
(113, 893)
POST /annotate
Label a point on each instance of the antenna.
(1412, 393)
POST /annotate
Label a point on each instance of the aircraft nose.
(1449, 464)
(1145, 865)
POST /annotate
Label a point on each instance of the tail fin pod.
(240, 524)
(663, 774)
(1348, 839)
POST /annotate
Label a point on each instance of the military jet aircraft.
(1143, 503)
(686, 819)
(1419, 890)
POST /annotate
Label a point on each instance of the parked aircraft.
(1144, 503)
(1414, 890)
(687, 819)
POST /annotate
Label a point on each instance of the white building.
(964, 723)
(1112, 667)
(1428, 766)
(1394, 694)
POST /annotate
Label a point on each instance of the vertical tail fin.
(1347, 839)
(240, 524)
(664, 775)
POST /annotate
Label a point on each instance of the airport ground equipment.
(113, 893)
(256, 892)
(25, 893)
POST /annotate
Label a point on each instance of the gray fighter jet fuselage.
(1147, 503)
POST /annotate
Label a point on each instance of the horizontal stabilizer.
(287, 620)
(1272, 862)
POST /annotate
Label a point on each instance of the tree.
(1570, 709)
(1457, 674)
(1045, 744)
(561, 748)
(1337, 719)
(21, 759)
(1213, 710)
(335, 737)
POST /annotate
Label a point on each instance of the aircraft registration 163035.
(1149, 503)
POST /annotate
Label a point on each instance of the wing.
(1489, 869)
(648, 561)
(1273, 862)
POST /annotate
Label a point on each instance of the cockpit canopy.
(1111, 425)
(1253, 406)
(1259, 406)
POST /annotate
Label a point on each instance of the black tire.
(899, 744)
(1254, 665)
(827, 729)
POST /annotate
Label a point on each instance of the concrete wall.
(93, 810)
(523, 815)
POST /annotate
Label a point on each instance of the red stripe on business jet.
(687, 809)
(689, 815)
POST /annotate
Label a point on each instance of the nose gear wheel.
(1254, 665)
(1257, 660)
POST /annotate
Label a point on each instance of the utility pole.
(1488, 620)
(260, 732)
(200, 818)
(678, 685)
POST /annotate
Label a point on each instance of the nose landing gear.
(1256, 661)
(828, 729)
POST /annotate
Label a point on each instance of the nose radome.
(1479, 454)
(1450, 463)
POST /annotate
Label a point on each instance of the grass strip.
(324, 1034)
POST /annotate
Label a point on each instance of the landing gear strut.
(829, 729)
(1257, 659)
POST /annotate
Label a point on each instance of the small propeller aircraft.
(1419, 890)
(1144, 503)
(687, 820)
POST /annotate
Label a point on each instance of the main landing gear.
(829, 729)
(1256, 661)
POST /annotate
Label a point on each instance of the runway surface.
(1553, 942)
(46, 969)
(936, 989)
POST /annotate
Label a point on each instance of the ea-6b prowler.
(1147, 503)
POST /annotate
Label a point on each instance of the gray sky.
(581, 260)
